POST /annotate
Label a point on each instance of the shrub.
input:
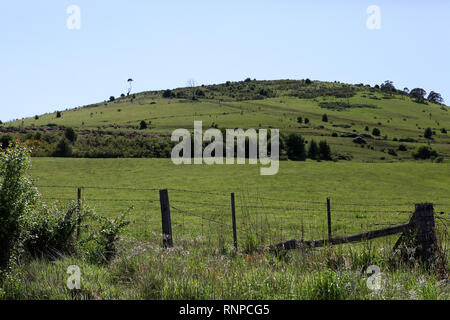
(325, 118)
(111, 99)
(58, 114)
(443, 130)
(306, 120)
(168, 94)
(428, 133)
(376, 132)
(17, 195)
(49, 230)
(402, 147)
(63, 149)
(424, 153)
(104, 240)
(143, 125)
(70, 134)
(5, 141)
(300, 120)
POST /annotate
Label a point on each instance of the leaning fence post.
(166, 220)
(426, 234)
(329, 219)
(233, 215)
(79, 212)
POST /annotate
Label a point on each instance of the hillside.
(353, 111)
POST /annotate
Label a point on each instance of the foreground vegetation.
(143, 270)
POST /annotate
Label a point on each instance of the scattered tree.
(295, 146)
(424, 153)
(324, 150)
(70, 134)
(376, 132)
(313, 151)
(435, 97)
(143, 125)
(418, 94)
(428, 133)
(325, 118)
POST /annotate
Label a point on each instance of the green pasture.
(364, 196)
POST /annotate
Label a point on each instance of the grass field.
(364, 196)
(200, 266)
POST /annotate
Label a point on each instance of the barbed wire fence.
(205, 216)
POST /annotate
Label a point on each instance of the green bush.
(70, 134)
(101, 243)
(17, 195)
(63, 149)
(376, 132)
(428, 133)
(424, 153)
(49, 230)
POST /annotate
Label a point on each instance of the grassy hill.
(352, 110)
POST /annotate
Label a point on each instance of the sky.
(46, 66)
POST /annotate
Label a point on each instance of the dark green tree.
(143, 125)
(70, 134)
(324, 150)
(428, 133)
(295, 145)
(313, 151)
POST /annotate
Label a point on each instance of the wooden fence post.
(79, 212)
(329, 219)
(166, 220)
(426, 234)
(233, 215)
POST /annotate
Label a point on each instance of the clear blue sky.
(161, 44)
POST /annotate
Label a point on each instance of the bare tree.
(191, 84)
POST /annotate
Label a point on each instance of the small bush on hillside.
(428, 133)
(143, 125)
(63, 149)
(168, 94)
(70, 134)
(424, 153)
(376, 132)
(402, 147)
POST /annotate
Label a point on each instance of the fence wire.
(205, 216)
